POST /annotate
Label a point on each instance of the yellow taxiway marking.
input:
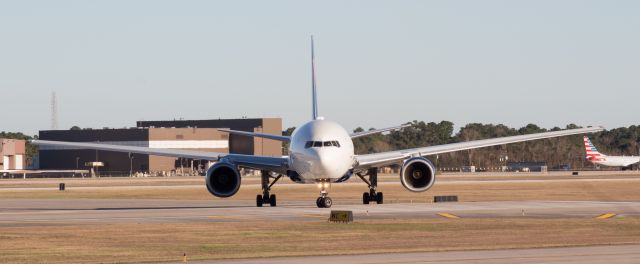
(605, 216)
(313, 215)
(448, 215)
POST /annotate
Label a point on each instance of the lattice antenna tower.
(54, 112)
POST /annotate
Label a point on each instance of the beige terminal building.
(12, 152)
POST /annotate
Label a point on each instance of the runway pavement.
(584, 255)
(16, 212)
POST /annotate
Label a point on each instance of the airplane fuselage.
(615, 161)
(321, 151)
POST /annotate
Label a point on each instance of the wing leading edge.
(393, 157)
(277, 164)
(255, 134)
(376, 131)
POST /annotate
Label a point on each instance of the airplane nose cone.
(327, 165)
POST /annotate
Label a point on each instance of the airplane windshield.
(319, 144)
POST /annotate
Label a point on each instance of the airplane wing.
(277, 164)
(376, 131)
(253, 134)
(393, 157)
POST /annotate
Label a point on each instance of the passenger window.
(317, 144)
(308, 144)
(327, 144)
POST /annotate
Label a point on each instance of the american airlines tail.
(592, 152)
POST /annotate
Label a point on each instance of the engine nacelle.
(223, 179)
(417, 174)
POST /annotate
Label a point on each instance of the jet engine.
(223, 179)
(417, 174)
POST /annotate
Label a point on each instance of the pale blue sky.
(379, 63)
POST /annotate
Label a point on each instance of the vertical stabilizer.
(592, 152)
(314, 93)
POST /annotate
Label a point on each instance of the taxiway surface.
(25, 211)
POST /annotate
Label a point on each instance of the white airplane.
(320, 152)
(598, 158)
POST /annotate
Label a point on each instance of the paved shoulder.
(595, 254)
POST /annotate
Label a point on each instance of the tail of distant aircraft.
(314, 93)
(592, 152)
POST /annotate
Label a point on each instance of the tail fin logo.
(592, 152)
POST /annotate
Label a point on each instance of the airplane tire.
(272, 200)
(379, 198)
(366, 198)
(327, 202)
(259, 200)
(319, 202)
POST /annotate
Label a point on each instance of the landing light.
(319, 185)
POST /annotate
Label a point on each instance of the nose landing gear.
(324, 201)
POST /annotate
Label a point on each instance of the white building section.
(19, 162)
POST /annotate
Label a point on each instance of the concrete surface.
(43, 211)
(583, 255)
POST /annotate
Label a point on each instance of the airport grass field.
(132, 242)
(224, 236)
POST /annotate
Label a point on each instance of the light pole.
(130, 164)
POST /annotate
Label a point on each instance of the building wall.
(199, 135)
(5, 163)
(200, 139)
(53, 158)
(12, 154)
(272, 148)
(237, 144)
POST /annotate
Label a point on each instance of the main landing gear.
(372, 195)
(324, 201)
(265, 198)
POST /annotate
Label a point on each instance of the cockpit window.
(318, 144)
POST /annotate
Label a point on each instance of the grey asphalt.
(44, 211)
(583, 255)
